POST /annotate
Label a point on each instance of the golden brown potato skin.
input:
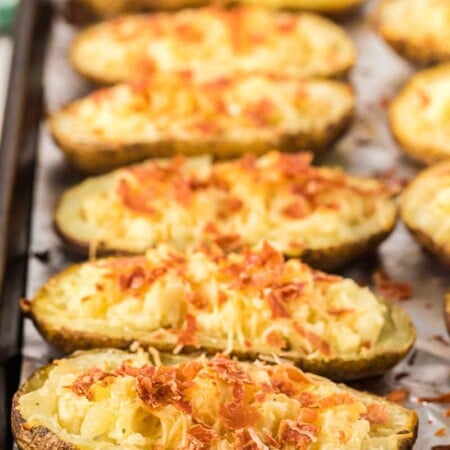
(338, 369)
(425, 51)
(98, 9)
(96, 159)
(418, 146)
(41, 438)
(440, 251)
(324, 259)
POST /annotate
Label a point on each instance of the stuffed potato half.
(320, 214)
(420, 115)
(226, 118)
(419, 30)
(109, 399)
(108, 8)
(213, 42)
(424, 209)
(248, 304)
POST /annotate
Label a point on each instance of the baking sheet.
(367, 149)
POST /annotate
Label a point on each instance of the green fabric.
(7, 9)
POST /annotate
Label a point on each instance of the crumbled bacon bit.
(293, 165)
(261, 113)
(286, 380)
(277, 306)
(295, 210)
(336, 400)
(377, 413)
(300, 434)
(82, 385)
(398, 395)
(394, 290)
(248, 161)
(188, 33)
(447, 412)
(275, 339)
(441, 432)
(443, 398)
(200, 437)
(206, 127)
(316, 341)
(229, 371)
(229, 206)
(187, 335)
(198, 300)
(340, 311)
(342, 437)
(423, 97)
(236, 415)
(322, 277)
(228, 242)
(287, 25)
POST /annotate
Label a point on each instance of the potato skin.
(41, 438)
(419, 54)
(338, 369)
(411, 143)
(425, 239)
(35, 438)
(96, 159)
(323, 259)
(100, 9)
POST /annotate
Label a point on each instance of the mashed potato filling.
(252, 301)
(278, 198)
(109, 400)
(214, 42)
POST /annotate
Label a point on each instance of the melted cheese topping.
(213, 42)
(230, 110)
(279, 198)
(426, 204)
(420, 116)
(423, 25)
(251, 302)
(117, 400)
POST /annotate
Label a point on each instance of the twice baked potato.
(108, 8)
(419, 30)
(425, 204)
(320, 214)
(211, 43)
(247, 303)
(420, 115)
(226, 118)
(105, 400)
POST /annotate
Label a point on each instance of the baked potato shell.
(396, 339)
(415, 119)
(105, 8)
(41, 438)
(100, 54)
(418, 30)
(410, 204)
(97, 154)
(79, 236)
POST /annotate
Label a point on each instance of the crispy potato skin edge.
(41, 438)
(337, 369)
(95, 159)
(327, 259)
